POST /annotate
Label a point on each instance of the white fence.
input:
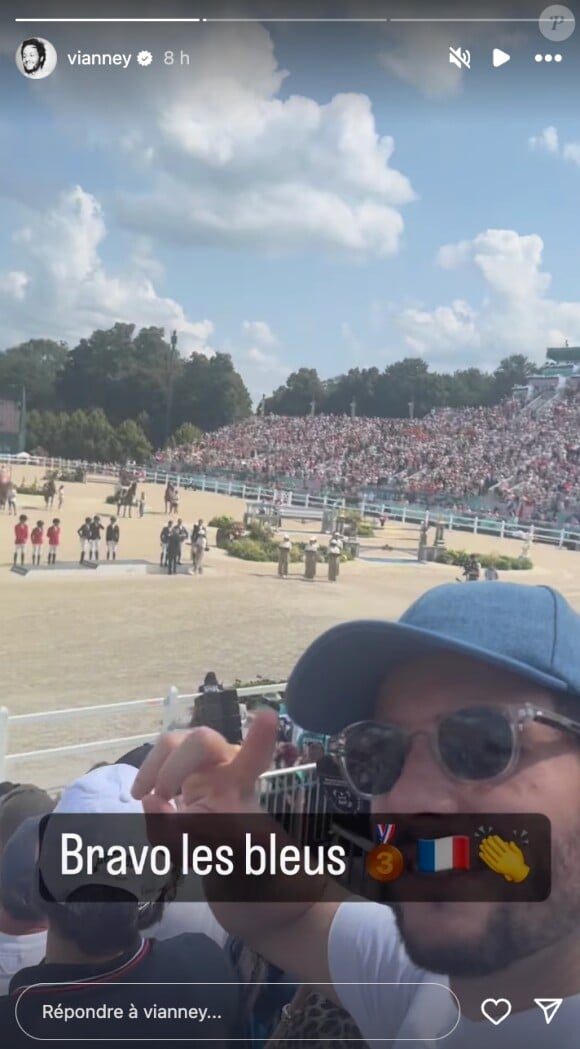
(476, 525)
(172, 709)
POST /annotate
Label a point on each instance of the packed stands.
(530, 462)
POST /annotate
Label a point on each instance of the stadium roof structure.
(564, 355)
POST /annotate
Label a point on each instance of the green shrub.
(221, 521)
(260, 531)
(249, 550)
(501, 562)
(29, 489)
(365, 530)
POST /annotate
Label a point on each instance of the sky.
(321, 195)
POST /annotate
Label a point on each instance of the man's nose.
(422, 786)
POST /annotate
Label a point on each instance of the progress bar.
(262, 21)
(143, 21)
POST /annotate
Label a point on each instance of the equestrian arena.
(85, 638)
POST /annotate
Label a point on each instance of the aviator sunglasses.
(471, 745)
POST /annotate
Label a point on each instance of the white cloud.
(549, 141)
(546, 140)
(418, 53)
(419, 56)
(13, 285)
(267, 363)
(64, 290)
(256, 356)
(261, 332)
(513, 315)
(351, 340)
(571, 151)
(230, 162)
(220, 157)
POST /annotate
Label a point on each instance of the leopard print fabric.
(318, 1022)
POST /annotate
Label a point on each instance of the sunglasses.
(471, 745)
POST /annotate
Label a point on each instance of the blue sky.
(372, 203)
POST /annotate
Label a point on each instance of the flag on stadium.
(443, 854)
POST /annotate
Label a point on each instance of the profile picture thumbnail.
(36, 58)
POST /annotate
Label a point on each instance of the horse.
(171, 498)
(174, 508)
(49, 492)
(126, 499)
(168, 496)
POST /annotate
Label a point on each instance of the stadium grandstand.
(520, 462)
(559, 375)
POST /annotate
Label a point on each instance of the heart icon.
(496, 1010)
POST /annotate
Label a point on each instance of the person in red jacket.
(53, 536)
(20, 538)
(37, 539)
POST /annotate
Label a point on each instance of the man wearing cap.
(96, 953)
(284, 556)
(469, 704)
(22, 927)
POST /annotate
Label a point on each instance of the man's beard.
(512, 931)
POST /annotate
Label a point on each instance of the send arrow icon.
(549, 1007)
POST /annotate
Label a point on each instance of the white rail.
(476, 524)
(169, 705)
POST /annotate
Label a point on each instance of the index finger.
(146, 777)
(205, 751)
(255, 754)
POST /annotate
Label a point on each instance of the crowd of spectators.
(528, 463)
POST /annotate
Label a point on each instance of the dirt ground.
(81, 641)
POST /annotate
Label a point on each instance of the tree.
(359, 385)
(185, 434)
(402, 383)
(132, 442)
(89, 435)
(36, 365)
(210, 393)
(301, 389)
(511, 371)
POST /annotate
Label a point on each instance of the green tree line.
(120, 388)
(404, 388)
(124, 392)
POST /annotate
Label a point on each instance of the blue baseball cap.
(531, 631)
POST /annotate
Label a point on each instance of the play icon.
(500, 57)
(549, 1007)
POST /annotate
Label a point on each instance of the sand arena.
(73, 642)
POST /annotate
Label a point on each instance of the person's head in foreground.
(98, 923)
(470, 703)
(101, 918)
(33, 54)
(21, 809)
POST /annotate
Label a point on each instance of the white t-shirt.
(365, 951)
(18, 952)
